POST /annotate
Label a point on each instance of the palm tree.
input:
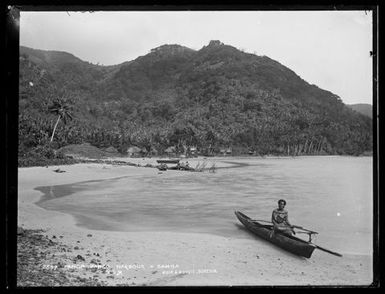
(61, 108)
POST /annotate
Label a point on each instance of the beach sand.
(164, 258)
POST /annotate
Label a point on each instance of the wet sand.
(164, 258)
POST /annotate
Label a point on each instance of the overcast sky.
(327, 48)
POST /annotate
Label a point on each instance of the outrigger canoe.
(182, 167)
(290, 243)
(162, 167)
(169, 161)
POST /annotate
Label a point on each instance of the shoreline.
(136, 161)
(167, 258)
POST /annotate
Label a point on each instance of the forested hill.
(363, 108)
(213, 98)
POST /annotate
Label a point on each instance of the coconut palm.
(62, 109)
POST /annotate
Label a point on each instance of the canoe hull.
(168, 161)
(290, 243)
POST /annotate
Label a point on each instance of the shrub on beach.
(45, 151)
(42, 155)
(84, 150)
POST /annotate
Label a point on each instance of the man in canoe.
(280, 219)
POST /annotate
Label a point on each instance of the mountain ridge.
(174, 95)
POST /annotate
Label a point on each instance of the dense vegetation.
(217, 97)
(363, 108)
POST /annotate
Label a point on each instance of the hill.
(365, 109)
(210, 98)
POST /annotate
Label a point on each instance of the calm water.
(331, 195)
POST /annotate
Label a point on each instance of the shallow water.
(330, 195)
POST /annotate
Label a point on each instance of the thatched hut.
(153, 151)
(170, 151)
(193, 150)
(134, 151)
(111, 149)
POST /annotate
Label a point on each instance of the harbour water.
(332, 195)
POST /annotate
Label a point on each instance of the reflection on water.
(331, 195)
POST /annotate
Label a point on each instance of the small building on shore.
(226, 151)
(134, 151)
(111, 149)
(170, 151)
(153, 151)
(192, 151)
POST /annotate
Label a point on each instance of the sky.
(330, 49)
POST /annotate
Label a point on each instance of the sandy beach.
(165, 258)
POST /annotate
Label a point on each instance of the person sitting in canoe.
(280, 219)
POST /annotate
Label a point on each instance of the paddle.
(327, 250)
(297, 227)
(301, 228)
